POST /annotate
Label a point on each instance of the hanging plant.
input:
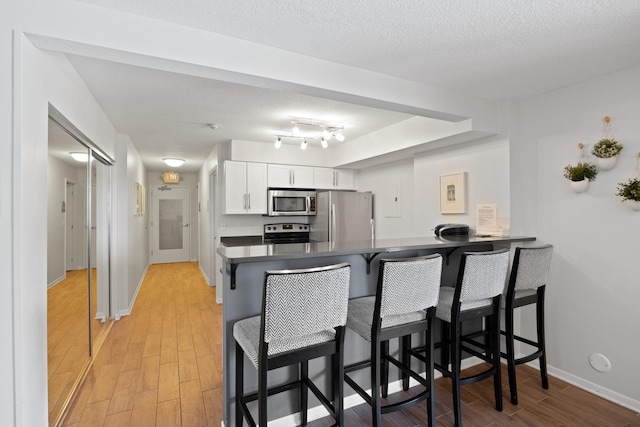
(606, 148)
(629, 190)
(580, 175)
(581, 171)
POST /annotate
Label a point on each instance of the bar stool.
(526, 286)
(481, 280)
(304, 313)
(404, 303)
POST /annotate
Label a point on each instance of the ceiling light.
(174, 163)
(339, 136)
(278, 142)
(80, 157)
(308, 129)
(324, 143)
(326, 134)
(213, 126)
(303, 146)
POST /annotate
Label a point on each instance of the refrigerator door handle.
(373, 231)
(332, 229)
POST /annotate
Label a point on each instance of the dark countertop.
(272, 252)
(232, 241)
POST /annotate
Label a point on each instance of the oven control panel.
(286, 228)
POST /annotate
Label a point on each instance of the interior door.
(170, 226)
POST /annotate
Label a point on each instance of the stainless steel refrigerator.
(343, 216)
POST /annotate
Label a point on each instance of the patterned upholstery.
(483, 278)
(301, 308)
(532, 271)
(360, 317)
(247, 333)
(409, 286)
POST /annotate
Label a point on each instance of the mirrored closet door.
(78, 229)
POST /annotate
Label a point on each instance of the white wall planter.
(580, 186)
(633, 204)
(606, 163)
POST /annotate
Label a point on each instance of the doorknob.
(186, 225)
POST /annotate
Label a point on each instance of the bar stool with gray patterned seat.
(476, 295)
(303, 317)
(404, 304)
(526, 286)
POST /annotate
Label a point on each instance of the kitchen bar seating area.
(244, 268)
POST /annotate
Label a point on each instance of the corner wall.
(593, 288)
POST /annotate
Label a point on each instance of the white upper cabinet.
(245, 187)
(289, 176)
(333, 179)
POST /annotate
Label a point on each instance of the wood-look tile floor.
(161, 366)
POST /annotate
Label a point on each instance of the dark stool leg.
(384, 371)
(431, 402)
(376, 415)
(495, 349)
(262, 393)
(541, 339)
(511, 362)
(445, 347)
(338, 385)
(406, 359)
(239, 384)
(304, 391)
(454, 340)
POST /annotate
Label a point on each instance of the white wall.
(593, 292)
(44, 78)
(388, 182)
(132, 254)
(415, 182)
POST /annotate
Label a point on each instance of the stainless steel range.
(286, 233)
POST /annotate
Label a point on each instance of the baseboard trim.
(204, 274)
(593, 388)
(127, 311)
(56, 281)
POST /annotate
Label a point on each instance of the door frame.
(211, 210)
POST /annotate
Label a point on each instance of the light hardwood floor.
(161, 366)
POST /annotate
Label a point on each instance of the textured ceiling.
(493, 49)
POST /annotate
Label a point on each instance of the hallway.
(161, 365)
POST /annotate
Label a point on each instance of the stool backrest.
(483, 274)
(303, 302)
(409, 284)
(531, 267)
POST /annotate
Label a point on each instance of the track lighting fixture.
(311, 129)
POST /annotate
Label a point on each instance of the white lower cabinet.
(333, 179)
(245, 188)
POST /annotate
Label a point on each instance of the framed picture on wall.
(453, 193)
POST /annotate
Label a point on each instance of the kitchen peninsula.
(243, 273)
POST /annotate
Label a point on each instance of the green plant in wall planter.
(606, 151)
(630, 193)
(580, 175)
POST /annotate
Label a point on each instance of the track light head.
(303, 146)
(324, 143)
(278, 142)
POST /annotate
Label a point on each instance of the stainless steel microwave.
(291, 202)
